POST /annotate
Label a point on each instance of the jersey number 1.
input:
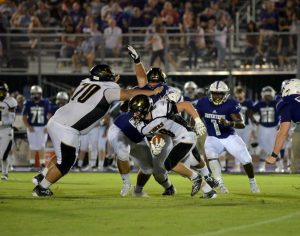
(86, 92)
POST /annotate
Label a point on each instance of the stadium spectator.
(137, 18)
(251, 43)
(68, 39)
(113, 39)
(42, 13)
(221, 30)
(77, 14)
(168, 10)
(157, 45)
(84, 53)
(34, 27)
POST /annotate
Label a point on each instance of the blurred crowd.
(203, 25)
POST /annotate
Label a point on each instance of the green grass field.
(89, 204)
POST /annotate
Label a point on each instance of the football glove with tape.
(157, 148)
(133, 54)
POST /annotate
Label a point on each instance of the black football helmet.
(102, 72)
(140, 106)
(156, 75)
(3, 90)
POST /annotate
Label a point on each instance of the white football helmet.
(62, 97)
(290, 87)
(36, 89)
(218, 87)
(268, 90)
(190, 89)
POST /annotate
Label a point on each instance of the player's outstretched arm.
(126, 94)
(188, 107)
(140, 72)
(281, 136)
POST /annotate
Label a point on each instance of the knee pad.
(68, 158)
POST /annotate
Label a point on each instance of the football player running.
(222, 116)
(7, 116)
(90, 101)
(155, 119)
(288, 108)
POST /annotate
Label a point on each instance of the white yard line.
(240, 227)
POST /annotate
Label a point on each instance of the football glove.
(200, 128)
(157, 148)
(133, 54)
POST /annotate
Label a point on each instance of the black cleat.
(169, 191)
(211, 181)
(37, 179)
(39, 191)
(210, 194)
(196, 185)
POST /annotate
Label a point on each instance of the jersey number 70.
(86, 92)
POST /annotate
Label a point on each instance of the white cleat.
(126, 188)
(4, 177)
(223, 189)
(254, 188)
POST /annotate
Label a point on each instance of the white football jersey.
(88, 104)
(160, 123)
(5, 117)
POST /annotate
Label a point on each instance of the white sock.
(44, 172)
(216, 170)
(125, 178)
(45, 183)
(4, 167)
(80, 163)
(100, 163)
(252, 180)
(194, 175)
(205, 187)
(204, 171)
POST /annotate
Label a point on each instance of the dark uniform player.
(221, 116)
(35, 117)
(268, 122)
(288, 109)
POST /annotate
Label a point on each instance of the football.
(156, 139)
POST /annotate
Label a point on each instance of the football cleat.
(211, 182)
(39, 191)
(37, 179)
(169, 191)
(254, 187)
(4, 177)
(126, 188)
(210, 194)
(223, 189)
(196, 185)
(139, 194)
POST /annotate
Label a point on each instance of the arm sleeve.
(236, 107)
(25, 109)
(10, 119)
(285, 114)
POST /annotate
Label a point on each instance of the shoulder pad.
(11, 102)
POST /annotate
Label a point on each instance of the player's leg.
(102, 143)
(295, 157)
(5, 147)
(65, 143)
(84, 147)
(213, 149)
(93, 144)
(121, 147)
(237, 148)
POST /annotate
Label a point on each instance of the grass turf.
(89, 204)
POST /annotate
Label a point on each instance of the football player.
(151, 120)
(89, 103)
(62, 99)
(190, 91)
(247, 115)
(288, 109)
(7, 116)
(36, 112)
(268, 123)
(222, 116)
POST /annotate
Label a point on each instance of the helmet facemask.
(140, 106)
